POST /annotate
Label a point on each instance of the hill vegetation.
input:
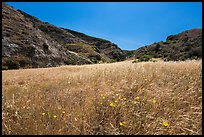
(31, 43)
(182, 46)
(28, 42)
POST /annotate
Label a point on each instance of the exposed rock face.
(185, 45)
(29, 42)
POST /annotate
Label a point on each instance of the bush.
(24, 62)
(94, 60)
(196, 52)
(185, 39)
(157, 47)
(145, 58)
(69, 62)
(135, 61)
(11, 64)
(120, 57)
(45, 46)
(113, 60)
(4, 67)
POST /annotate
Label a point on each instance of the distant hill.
(28, 42)
(182, 46)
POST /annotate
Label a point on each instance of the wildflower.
(122, 123)
(116, 101)
(63, 112)
(154, 101)
(103, 97)
(124, 99)
(137, 97)
(135, 102)
(101, 103)
(112, 105)
(165, 123)
(54, 116)
(43, 114)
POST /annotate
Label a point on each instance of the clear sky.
(130, 25)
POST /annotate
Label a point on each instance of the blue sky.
(130, 25)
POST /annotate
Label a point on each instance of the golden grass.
(147, 98)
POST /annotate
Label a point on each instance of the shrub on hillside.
(135, 61)
(145, 58)
(70, 62)
(11, 64)
(4, 67)
(94, 60)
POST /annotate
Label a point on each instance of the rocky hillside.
(185, 45)
(28, 42)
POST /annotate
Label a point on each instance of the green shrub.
(145, 58)
(135, 61)
(94, 60)
(24, 62)
(112, 61)
(69, 62)
(11, 64)
(120, 57)
(4, 67)
(185, 39)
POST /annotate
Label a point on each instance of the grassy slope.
(117, 98)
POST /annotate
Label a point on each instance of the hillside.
(28, 42)
(182, 46)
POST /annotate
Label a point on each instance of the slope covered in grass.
(118, 98)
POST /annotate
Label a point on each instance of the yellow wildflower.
(63, 112)
(122, 123)
(103, 97)
(154, 101)
(112, 105)
(137, 97)
(43, 114)
(165, 123)
(135, 102)
(116, 101)
(101, 103)
(54, 116)
(124, 99)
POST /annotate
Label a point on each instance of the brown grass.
(117, 98)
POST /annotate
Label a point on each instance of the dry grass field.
(147, 98)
